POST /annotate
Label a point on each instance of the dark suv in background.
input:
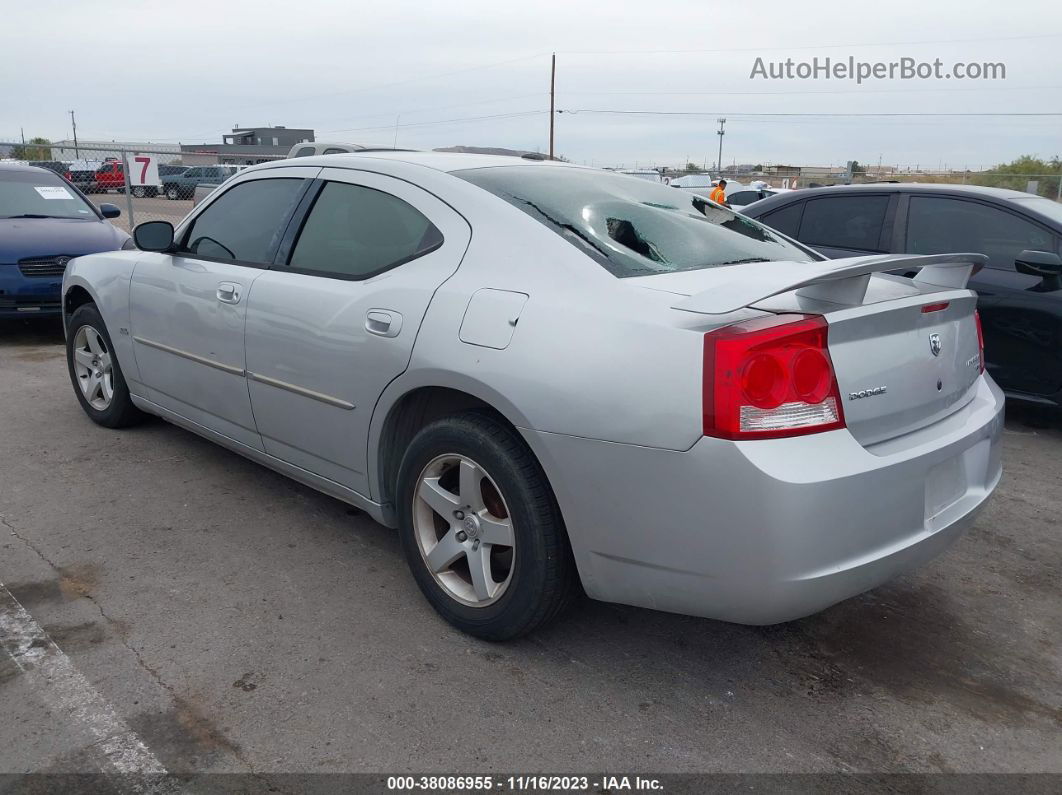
(1019, 291)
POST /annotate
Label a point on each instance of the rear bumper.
(768, 531)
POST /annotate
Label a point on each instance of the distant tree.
(693, 168)
(36, 149)
(858, 169)
(758, 167)
(1017, 174)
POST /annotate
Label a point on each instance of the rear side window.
(354, 232)
(305, 151)
(333, 150)
(633, 227)
(786, 220)
(941, 225)
(743, 197)
(246, 222)
(844, 222)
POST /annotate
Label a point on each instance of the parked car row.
(838, 374)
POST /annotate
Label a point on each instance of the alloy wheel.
(94, 367)
(464, 531)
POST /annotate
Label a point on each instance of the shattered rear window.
(633, 227)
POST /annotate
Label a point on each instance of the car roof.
(23, 168)
(439, 161)
(758, 208)
(929, 187)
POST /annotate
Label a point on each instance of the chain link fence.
(156, 183)
(1048, 185)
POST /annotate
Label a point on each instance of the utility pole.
(22, 133)
(73, 123)
(394, 144)
(552, 99)
(721, 132)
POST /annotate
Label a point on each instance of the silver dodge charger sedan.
(547, 377)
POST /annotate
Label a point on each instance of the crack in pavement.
(151, 670)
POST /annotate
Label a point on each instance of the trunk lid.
(905, 351)
(900, 368)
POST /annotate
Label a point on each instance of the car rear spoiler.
(839, 281)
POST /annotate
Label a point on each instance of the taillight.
(935, 307)
(770, 377)
(980, 339)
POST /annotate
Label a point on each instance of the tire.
(539, 573)
(118, 411)
(139, 191)
(172, 193)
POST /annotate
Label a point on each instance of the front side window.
(40, 194)
(853, 222)
(941, 225)
(355, 232)
(246, 222)
(633, 227)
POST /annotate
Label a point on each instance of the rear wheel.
(481, 529)
(95, 373)
(139, 191)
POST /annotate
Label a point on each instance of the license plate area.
(945, 485)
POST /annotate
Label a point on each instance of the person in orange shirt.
(718, 194)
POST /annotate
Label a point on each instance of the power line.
(363, 89)
(514, 115)
(804, 114)
(848, 45)
(789, 92)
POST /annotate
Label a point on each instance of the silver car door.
(188, 308)
(333, 324)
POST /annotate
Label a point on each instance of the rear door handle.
(229, 293)
(383, 322)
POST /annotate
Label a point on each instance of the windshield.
(40, 193)
(633, 227)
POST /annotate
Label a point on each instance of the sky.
(431, 74)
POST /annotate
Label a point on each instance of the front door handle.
(229, 293)
(383, 322)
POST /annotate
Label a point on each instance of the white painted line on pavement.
(68, 692)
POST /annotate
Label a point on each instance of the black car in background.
(1019, 290)
(52, 165)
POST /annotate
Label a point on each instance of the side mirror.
(1038, 263)
(154, 236)
(108, 210)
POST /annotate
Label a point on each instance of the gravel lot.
(237, 621)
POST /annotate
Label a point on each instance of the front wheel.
(481, 529)
(94, 371)
(172, 193)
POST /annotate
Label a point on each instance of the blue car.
(44, 223)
